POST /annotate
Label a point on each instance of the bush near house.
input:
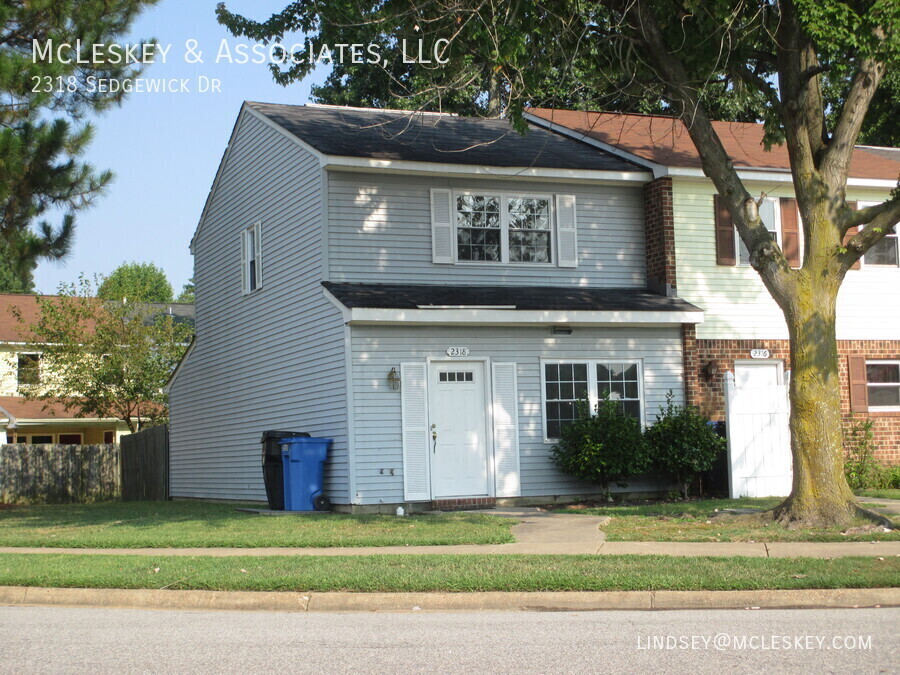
(683, 443)
(610, 446)
(862, 470)
(602, 448)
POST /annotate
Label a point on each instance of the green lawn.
(190, 524)
(880, 494)
(444, 572)
(699, 521)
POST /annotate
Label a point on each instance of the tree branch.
(877, 229)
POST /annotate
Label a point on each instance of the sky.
(164, 148)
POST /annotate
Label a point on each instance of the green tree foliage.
(605, 447)
(42, 130)
(102, 358)
(809, 69)
(683, 443)
(136, 282)
(187, 292)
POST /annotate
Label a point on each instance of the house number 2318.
(457, 351)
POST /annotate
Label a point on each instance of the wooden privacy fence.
(58, 474)
(145, 465)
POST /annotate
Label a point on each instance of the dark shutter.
(850, 234)
(724, 234)
(859, 393)
(790, 231)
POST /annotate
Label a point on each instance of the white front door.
(459, 458)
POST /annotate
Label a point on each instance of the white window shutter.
(257, 250)
(441, 226)
(414, 421)
(245, 265)
(506, 430)
(566, 231)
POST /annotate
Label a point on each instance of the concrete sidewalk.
(756, 550)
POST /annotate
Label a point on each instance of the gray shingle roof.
(405, 296)
(416, 137)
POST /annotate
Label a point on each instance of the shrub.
(862, 470)
(683, 443)
(602, 448)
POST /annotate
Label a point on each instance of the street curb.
(555, 601)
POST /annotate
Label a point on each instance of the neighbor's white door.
(759, 440)
(459, 458)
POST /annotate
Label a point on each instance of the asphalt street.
(70, 640)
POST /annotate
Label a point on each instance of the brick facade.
(708, 393)
(465, 504)
(660, 233)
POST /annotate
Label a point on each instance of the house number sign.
(457, 351)
(759, 353)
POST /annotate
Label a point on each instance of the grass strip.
(445, 573)
(704, 520)
(197, 524)
(888, 493)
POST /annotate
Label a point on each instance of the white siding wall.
(272, 359)
(380, 231)
(377, 408)
(737, 304)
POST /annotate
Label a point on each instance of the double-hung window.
(251, 258)
(770, 215)
(503, 228)
(568, 385)
(883, 384)
(886, 253)
(28, 370)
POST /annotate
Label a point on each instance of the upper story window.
(251, 258)
(503, 228)
(887, 251)
(474, 226)
(28, 370)
(769, 214)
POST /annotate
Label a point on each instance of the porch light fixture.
(710, 370)
(393, 379)
(561, 330)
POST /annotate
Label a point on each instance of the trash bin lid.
(271, 433)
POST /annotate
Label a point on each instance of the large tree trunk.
(820, 495)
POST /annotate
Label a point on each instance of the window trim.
(251, 233)
(776, 201)
(593, 389)
(890, 362)
(895, 236)
(504, 228)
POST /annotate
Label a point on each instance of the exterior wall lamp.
(710, 370)
(393, 379)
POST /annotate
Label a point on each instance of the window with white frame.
(251, 258)
(887, 251)
(770, 215)
(503, 228)
(570, 385)
(28, 370)
(883, 384)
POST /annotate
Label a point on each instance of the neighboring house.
(434, 293)
(35, 421)
(696, 254)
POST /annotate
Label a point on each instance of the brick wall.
(709, 393)
(660, 232)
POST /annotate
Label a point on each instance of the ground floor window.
(883, 384)
(566, 384)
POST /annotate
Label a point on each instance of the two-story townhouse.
(694, 252)
(25, 420)
(434, 293)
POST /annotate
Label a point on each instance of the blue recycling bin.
(304, 460)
